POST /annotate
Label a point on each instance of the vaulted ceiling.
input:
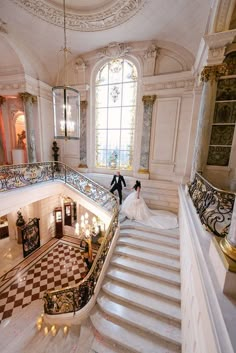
(33, 29)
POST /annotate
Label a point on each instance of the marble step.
(148, 257)
(151, 247)
(101, 345)
(142, 299)
(131, 339)
(128, 224)
(140, 319)
(152, 237)
(145, 283)
(147, 269)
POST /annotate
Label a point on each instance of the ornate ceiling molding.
(117, 13)
(114, 51)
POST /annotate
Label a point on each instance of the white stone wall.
(207, 314)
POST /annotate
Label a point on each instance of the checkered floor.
(62, 265)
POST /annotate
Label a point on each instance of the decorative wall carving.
(150, 60)
(118, 12)
(114, 51)
(213, 72)
(187, 84)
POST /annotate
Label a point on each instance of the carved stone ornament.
(3, 26)
(119, 11)
(151, 52)
(149, 99)
(28, 97)
(114, 51)
(213, 72)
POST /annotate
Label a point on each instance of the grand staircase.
(138, 309)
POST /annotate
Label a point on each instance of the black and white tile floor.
(59, 266)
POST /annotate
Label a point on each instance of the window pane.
(101, 158)
(101, 96)
(115, 114)
(130, 72)
(126, 142)
(113, 158)
(218, 155)
(113, 139)
(126, 159)
(115, 95)
(102, 76)
(101, 118)
(129, 93)
(225, 112)
(114, 118)
(128, 116)
(101, 139)
(222, 135)
(115, 71)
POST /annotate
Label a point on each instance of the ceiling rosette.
(78, 18)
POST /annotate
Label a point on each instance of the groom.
(117, 181)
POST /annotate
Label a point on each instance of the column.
(28, 100)
(148, 102)
(209, 77)
(83, 134)
(3, 154)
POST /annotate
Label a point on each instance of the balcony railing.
(214, 206)
(17, 176)
(70, 299)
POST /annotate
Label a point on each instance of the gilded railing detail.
(214, 206)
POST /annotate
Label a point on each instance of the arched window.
(115, 108)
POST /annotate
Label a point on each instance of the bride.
(135, 208)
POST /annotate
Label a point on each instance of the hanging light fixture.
(66, 101)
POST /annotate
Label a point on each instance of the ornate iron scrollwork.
(214, 206)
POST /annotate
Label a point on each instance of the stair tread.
(129, 224)
(148, 245)
(148, 301)
(147, 269)
(146, 283)
(130, 339)
(157, 259)
(155, 237)
(143, 320)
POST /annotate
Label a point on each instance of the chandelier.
(66, 101)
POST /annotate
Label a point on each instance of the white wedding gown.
(136, 209)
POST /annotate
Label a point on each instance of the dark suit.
(118, 181)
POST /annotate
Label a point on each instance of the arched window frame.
(92, 122)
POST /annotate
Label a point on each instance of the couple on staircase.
(134, 207)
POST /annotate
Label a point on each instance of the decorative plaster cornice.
(219, 40)
(114, 51)
(182, 83)
(118, 12)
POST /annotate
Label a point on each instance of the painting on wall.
(30, 237)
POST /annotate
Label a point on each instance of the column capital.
(27, 97)
(149, 99)
(2, 100)
(213, 72)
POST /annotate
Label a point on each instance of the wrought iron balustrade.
(72, 299)
(214, 206)
(69, 299)
(21, 175)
